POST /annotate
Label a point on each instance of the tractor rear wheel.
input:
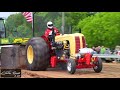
(98, 65)
(71, 66)
(37, 54)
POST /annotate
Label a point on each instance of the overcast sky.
(6, 14)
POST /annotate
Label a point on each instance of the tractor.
(41, 53)
(68, 50)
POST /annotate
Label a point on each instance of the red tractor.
(42, 52)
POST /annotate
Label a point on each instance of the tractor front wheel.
(71, 66)
(98, 65)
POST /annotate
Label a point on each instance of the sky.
(6, 14)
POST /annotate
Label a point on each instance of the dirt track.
(110, 70)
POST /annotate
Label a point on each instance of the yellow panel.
(71, 39)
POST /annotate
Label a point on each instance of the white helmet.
(50, 25)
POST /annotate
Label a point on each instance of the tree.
(73, 18)
(102, 29)
(17, 26)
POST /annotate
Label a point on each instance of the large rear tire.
(37, 54)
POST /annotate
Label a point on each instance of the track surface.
(110, 70)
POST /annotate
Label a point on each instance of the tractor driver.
(48, 31)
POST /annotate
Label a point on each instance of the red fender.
(88, 57)
(53, 61)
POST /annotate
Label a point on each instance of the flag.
(28, 16)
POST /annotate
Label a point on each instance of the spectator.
(103, 49)
(107, 51)
(97, 49)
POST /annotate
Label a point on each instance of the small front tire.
(71, 66)
(98, 66)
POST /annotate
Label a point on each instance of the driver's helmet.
(50, 25)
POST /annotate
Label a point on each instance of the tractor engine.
(84, 51)
(62, 50)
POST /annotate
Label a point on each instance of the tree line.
(99, 28)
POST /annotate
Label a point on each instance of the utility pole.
(63, 22)
(33, 23)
